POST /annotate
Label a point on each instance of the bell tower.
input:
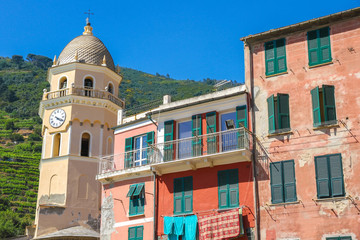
(78, 113)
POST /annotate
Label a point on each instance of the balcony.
(207, 150)
(84, 92)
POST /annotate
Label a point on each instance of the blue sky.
(186, 39)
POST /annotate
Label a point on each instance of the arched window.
(88, 84)
(63, 83)
(56, 145)
(53, 184)
(111, 88)
(85, 145)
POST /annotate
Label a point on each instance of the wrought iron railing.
(85, 92)
(188, 148)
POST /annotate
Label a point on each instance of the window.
(169, 149)
(137, 199)
(228, 184)
(278, 113)
(110, 88)
(183, 199)
(184, 145)
(136, 233)
(339, 238)
(85, 145)
(63, 83)
(140, 144)
(329, 176)
(323, 104)
(319, 46)
(88, 84)
(275, 57)
(282, 181)
(137, 150)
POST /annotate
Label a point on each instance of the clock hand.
(59, 119)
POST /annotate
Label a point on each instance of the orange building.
(202, 160)
(305, 108)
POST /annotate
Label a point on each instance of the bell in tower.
(78, 113)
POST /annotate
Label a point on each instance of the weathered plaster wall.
(310, 219)
(205, 192)
(116, 209)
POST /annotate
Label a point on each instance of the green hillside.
(21, 87)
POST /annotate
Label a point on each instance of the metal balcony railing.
(187, 148)
(85, 92)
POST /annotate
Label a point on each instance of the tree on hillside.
(39, 61)
(18, 60)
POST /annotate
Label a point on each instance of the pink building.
(304, 81)
(127, 210)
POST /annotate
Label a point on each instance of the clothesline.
(204, 211)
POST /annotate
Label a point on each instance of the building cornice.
(302, 26)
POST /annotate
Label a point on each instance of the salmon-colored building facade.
(127, 210)
(304, 82)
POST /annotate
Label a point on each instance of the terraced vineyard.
(19, 172)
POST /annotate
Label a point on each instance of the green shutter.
(233, 181)
(241, 120)
(132, 233)
(178, 195)
(241, 116)
(271, 114)
(139, 188)
(150, 137)
(270, 57)
(316, 106)
(289, 181)
(196, 132)
(223, 189)
(133, 206)
(276, 182)
(324, 42)
(188, 195)
(139, 233)
(283, 111)
(210, 129)
(322, 177)
(313, 48)
(128, 152)
(329, 104)
(169, 136)
(336, 173)
(131, 190)
(280, 56)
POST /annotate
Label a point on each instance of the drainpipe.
(155, 199)
(253, 124)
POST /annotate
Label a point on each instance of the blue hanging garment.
(168, 225)
(179, 225)
(190, 227)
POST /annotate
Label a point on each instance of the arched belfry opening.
(85, 145)
(88, 84)
(63, 83)
(111, 88)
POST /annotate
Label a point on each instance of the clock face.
(57, 118)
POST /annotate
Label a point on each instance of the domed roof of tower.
(88, 49)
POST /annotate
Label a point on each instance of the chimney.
(120, 116)
(166, 99)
